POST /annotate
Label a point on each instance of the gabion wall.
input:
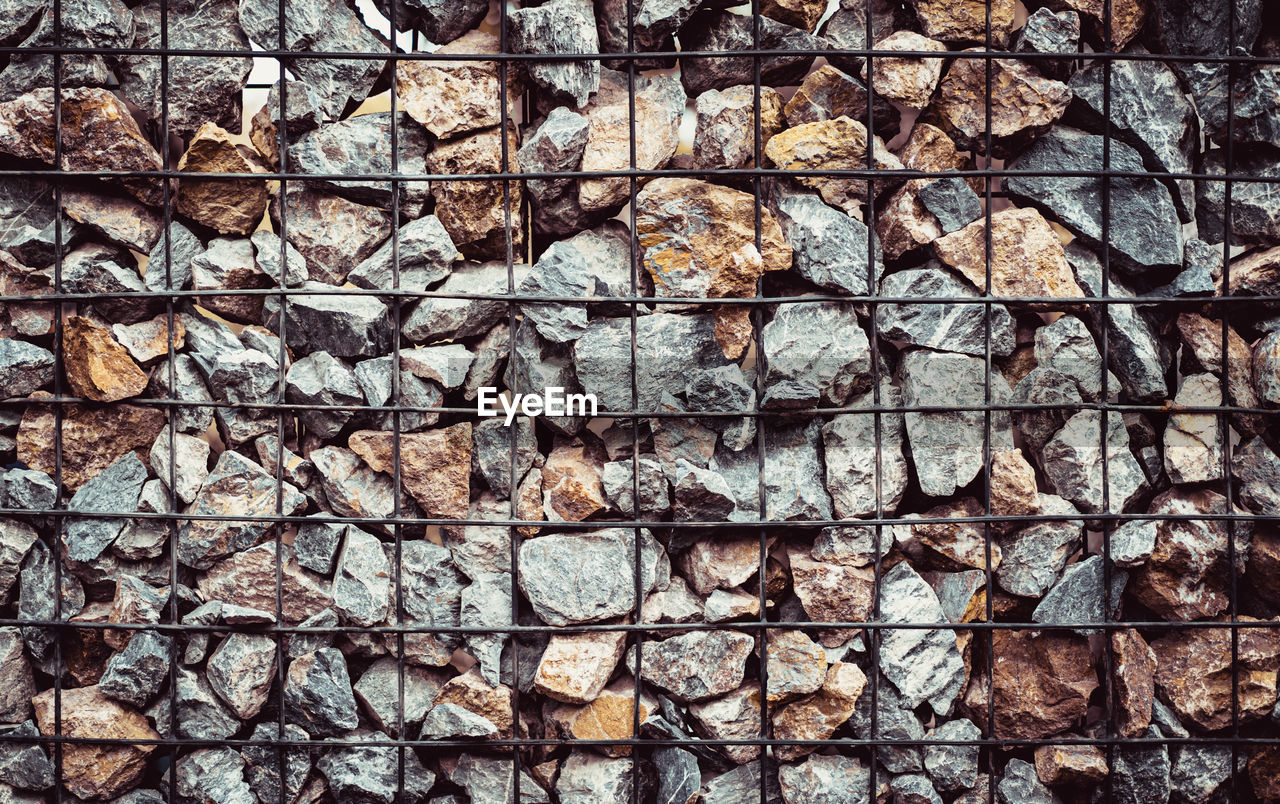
(922, 361)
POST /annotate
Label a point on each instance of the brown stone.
(1264, 771)
(450, 98)
(92, 770)
(803, 14)
(817, 716)
(229, 206)
(30, 318)
(837, 144)
(963, 543)
(473, 693)
(1013, 488)
(966, 20)
(610, 716)
(908, 80)
(1264, 564)
(122, 221)
(1193, 673)
(699, 239)
(797, 666)
(248, 579)
(1127, 17)
(733, 330)
(1186, 576)
(903, 222)
(719, 562)
(435, 465)
(831, 592)
(724, 605)
(91, 117)
(86, 651)
(229, 264)
(148, 341)
(529, 502)
(609, 138)
(826, 93)
(1134, 667)
(1203, 338)
(573, 481)
(1027, 259)
(575, 667)
(93, 437)
(1254, 274)
(1042, 684)
(1023, 103)
(475, 212)
(735, 716)
(1070, 764)
(97, 367)
(333, 234)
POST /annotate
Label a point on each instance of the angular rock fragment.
(923, 664)
(908, 80)
(836, 144)
(1070, 764)
(1027, 260)
(345, 326)
(1080, 596)
(659, 102)
(89, 770)
(115, 490)
(1073, 462)
(424, 252)
(362, 144)
(817, 354)
(594, 591)
(1022, 103)
(966, 22)
(98, 368)
(711, 30)
(1126, 19)
(317, 693)
(435, 466)
(24, 367)
(1042, 683)
(332, 234)
(558, 27)
(696, 666)
(725, 134)
(241, 671)
(249, 577)
(476, 213)
(817, 716)
(959, 328)
(232, 206)
(829, 247)
(1193, 444)
(1047, 31)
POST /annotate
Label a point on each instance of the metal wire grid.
(764, 527)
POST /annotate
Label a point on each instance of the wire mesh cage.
(610, 401)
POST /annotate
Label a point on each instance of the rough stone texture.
(1027, 260)
(967, 21)
(836, 144)
(1193, 444)
(695, 666)
(831, 592)
(115, 490)
(362, 144)
(1127, 18)
(829, 247)
(575, 667)
(95, 770)
(1042, 682)
(817, 716)
(910, 81)
(924, 664)
(659, 102)
(24, 367)
(1073, 463)
(332, 233)
(229, 206)
(827, 93)
(474, 213)
(793, 379)
(97, 367)
(714, 30)
(345, 326)
(435, 466)
(595, 591)
(249, 578)
(1193, 673)
(317, 693)
(945, 327)
(1023, 103)
(726, 126)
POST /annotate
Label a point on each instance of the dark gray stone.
(742, 784)
(1140, 773)
(1047, 31)
(560, 26)
(913, 789)
(360, 145)
(447, 721)
(431, 591)
(262, 763)
(343, 325)
(1149, 112)
(653, 24)
(1204, 28)
(317, 693)
(301, 644)
(94, 268)
(894, 721)
(952, 201)
(947, 446)
(711, 29)
(953, 767)
(24, 367)
(1145, 234)
(1078, 596)
(374, 377)
(322, 379)
(1200, 774)
(212, 776)
(36, 598)
(944, 327)
(1255, 211)
(794, 473)
(700, 494)
(201, 714)
(573, 578)
(1020, 785)
(137, 673)
(592, 263)
(442, 318)
(425, 254)
(1073, 462)
(816, 353)
(678, 775)
(441, 21)
(830, 247)
(1067, 347)
(923, 664)
(183, 246)
(556, 145)
(26, 765)
(242, 669)
(115, 490)
(16, 538)
(316, 544)
(1257, 469)
(320, 26)
(491, 452)
(85, 23)
(1034, 557)
(368, 773)
(362, 580)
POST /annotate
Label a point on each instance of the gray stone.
(362, 581)
(678, 775)
(588, 778)
(266, 252)
(554, 147)
(1193, 442)
(1256, 118)
(317, 693)
(1055, 393)
(669, 349)
(212, 776)
(190, 466)
(913, 789)
(425, 254)
(343, 325)
(816, 354)
(695, 666)
(794, 473)
(431, 591)
(617, 479)
(653, 23)
(95, 268)
(1145, 233)
(539, 364)
(333, 234)
(1202, 28)
(188, 385)
(36, 598)
(1020, 785)
(369, 773)
(711, 29)
(1149, 112)
(236, 485)
(24, 367)
(561, 26)
(1078, 596)
(1033, 558)
(301, 644)
(727, 389)
(574, 578)
(195, 644)
(1073, 463)
(742, 784)
(699, 494)
(491, 452)
(228, 264)
(374, 376)
(947, 446)
(1140, 773)
(829, 247)
(953, 767)
(447, 721)
(115, 490)
(1266, 367)
(1257, 468)
(246, 376)
(1199, 774)
(262, 763)
(459, 312)
(1132, 542)
(241, 671)
(201, 714)
(362, 145)
(592, 263)
(84, 23)
(894, 721)
(26, 765)
(320, 26)
(1047, 31)
(316, 544)
(440, 21)
(1067, 346)
(16, 538)
(322, 379)
(18, 685)
(486, 603)
(952, 201)
(923, 664)
(725, 133)
(490, 779)
(825, 779)
(30, 490)
(378, 692)
(1134, 349)
(944, 327)
(137, 673)
(445, 364)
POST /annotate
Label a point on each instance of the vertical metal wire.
(988, 574)
(58, 413)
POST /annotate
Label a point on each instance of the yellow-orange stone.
(97, 367)
(94, 771)
(1027, 259)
